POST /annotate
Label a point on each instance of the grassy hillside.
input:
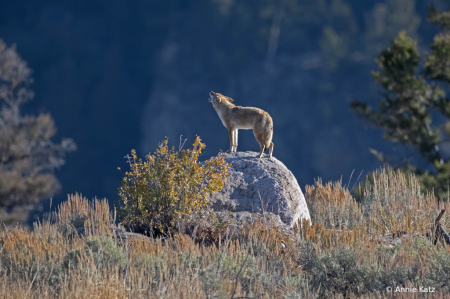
(337, 257)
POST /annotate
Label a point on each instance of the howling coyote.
(235, 117)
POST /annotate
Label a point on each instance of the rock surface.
(121, 236)
(261, 186)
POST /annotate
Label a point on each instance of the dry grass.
(332, 205)
(333, 258)
(46, 263)
(394, 202)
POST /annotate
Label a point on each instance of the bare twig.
(439, 217)
(445, 235)
(180, 147)
(357, 179)
(236, 279)
(437, 226)
(350, 179)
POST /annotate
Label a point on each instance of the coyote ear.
(229, 99)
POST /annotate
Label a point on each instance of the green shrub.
(103, 250)
(296, 287)
(167, 186)
(48, 271)
(439, 274)
(155, 265)
(338, 273)
(243, 272)
(27, 258)
(397, 276)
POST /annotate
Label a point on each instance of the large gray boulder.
(260, 186)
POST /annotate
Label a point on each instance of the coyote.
(235, 117)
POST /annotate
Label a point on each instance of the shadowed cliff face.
(120, 75)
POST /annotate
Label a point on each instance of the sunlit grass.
(336, 257)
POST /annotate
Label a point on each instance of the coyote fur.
(236, 117)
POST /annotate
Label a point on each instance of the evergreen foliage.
(415, 110)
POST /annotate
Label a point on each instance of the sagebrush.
(255, 261)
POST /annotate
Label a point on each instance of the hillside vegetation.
(334, 258)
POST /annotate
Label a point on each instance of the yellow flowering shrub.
(168, 185)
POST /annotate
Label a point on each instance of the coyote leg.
(270, 150)
(230, 133)
(235, 140)
(262, 150)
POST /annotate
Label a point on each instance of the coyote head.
(215, 97)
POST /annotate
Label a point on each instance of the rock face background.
(261, 185)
